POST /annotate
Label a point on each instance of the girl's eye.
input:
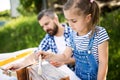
(74, 20)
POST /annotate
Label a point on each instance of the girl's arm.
(66, 55)
(103, 60)
(71, 61)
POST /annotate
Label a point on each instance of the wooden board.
(49, 72)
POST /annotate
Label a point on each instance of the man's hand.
(12, 67)
(45, 55)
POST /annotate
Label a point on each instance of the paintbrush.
(40, 65)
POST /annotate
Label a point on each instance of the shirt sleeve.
(44, 44)
(69, 40)
(102, 35)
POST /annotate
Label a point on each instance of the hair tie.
(91, 1)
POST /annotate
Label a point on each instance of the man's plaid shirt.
(48, 42)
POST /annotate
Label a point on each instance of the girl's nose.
(70, 24)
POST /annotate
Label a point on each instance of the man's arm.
(30, 59)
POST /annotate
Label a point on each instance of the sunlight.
(4, 5)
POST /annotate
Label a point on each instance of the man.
(57, 34)
(54, 41)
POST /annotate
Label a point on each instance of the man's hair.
(46, 12)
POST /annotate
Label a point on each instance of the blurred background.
(19, 28)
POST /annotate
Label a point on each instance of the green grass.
(111, 21)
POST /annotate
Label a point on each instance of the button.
(89, 51)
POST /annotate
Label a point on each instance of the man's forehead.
(44, 20)
(45, 17)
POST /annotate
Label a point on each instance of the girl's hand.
(56, 64)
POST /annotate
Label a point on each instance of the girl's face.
(77, 22)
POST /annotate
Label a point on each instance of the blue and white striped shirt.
(82, 42)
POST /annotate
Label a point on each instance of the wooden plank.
(22, 74)
(49, 72)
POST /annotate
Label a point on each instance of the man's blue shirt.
(48, 42)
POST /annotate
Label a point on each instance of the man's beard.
(53, 31)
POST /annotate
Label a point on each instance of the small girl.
(88, 42)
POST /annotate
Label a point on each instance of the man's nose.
(46, 28)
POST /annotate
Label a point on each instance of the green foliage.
(111, 21)
(26, 12)
(20, 33)
(29, 7)
(61, 17)
(5, 13)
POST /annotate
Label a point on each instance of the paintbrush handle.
(40, 65)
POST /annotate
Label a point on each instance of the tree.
(108, 5)
(34, 6)
(30, 6)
